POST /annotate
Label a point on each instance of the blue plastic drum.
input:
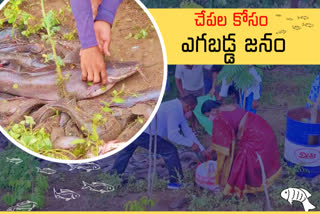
(302, 143)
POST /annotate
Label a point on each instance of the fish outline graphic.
(66, 194)
(298, 194)
(23, 206)
(47, 171)
(98, 187)
(88, 167)
(16, 161)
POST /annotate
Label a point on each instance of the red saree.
(238, 168)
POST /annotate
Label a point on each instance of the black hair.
(190, 100)
(233, 91)
(208, 105)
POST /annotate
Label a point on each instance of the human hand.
(93, 68)
(95, 6)
(102, 30)
(195, 147)
(212, 91)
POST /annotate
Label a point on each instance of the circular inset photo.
(79, 80)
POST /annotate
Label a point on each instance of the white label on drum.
(302, 155)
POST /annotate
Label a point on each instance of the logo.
(298, 194)
(307, 155)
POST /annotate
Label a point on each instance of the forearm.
(214, 79)
(188, 133)
(82, 13)
(179, 86)
(107, 10)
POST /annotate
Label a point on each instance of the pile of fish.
(28, 87)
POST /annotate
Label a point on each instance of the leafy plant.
(240, 75)
(92, 141)
(36, 140)
(142, 34)
(50, 23)
(141, 205)
(114, 180)
(70, 36)
(21, 181)
(19, 19)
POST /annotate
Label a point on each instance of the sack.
(206, 175)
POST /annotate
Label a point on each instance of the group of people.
(239, 136)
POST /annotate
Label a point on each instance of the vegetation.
(50, 24)
(36, 140)
(19, 19)
(21, 181)
(141, 205)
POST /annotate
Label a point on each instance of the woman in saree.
(238, 138)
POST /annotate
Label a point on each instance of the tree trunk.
(294, 4)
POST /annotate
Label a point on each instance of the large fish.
(14, 109)
(140, 97)
(24, 60)
(42, 85)
(107, 131)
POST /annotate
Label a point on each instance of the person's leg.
(124, 156)
(207, 85)
(170, 156)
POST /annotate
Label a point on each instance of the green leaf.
(106, 109)
(118, 100)
(78, 141)
(15, 86)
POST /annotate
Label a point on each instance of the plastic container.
(302, 143)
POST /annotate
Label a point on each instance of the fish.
(15, 109)
(66, 194)
(303, 17)
(281, 32)
(298, 194)
(46, 171)
(88, 167)
(64, 118)
(23, 206)
(16, 161)
(290, 19)
(140, 97)
(106, 131)
(98, 187)
(22, 59)
(44, 82)
(21, 48)
(307, 24)
(296, 27)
